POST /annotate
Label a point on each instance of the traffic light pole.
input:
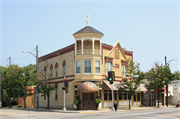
(64, 109)
(112, 99)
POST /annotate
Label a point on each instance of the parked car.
(178, 104)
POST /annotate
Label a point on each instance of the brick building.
(86, 63)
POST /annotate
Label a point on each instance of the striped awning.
(108, 86)
(116, 86)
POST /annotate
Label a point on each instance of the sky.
(151, 27)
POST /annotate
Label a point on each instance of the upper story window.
(124, 73)
(87, 66)
(56, 65)
(64, 70)
(56, 72)
(51, 68)
(45, 75)
(108, 67)
(78, 66)
(51, 72)
(97, 66)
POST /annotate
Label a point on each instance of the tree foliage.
(23, 83)
(10, 81)
(159, 77)
(14, 83)
(32, 74)
(130, 83)
(44, 87)
(177, 75)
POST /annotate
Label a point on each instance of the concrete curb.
(95, 111)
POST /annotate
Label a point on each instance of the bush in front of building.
(97, 100)
(77, 102)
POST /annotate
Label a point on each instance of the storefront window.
(110, 95)
(120, 96)
(159, 99)
(125, 96)
(105, 95)
(129, 96)
(115, 97)
(138, 97)
(134, 97)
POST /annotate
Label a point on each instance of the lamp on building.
(87, 43)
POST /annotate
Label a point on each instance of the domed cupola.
(88, 40)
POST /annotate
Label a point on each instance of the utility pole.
(37, 96)
(10, 64)
(166, 87)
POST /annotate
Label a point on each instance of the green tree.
(177, 75)
(22, 84)
(159, 76)
(32, 74)
(44, 87)
(9, 83)
(131, 84)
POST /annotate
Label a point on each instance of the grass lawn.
(14, 106)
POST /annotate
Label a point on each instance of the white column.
(75, 47)
(93, 46)
(100, 47)
(82, 40)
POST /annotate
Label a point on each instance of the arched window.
(56, 69)
(45, 73)
(51, 68)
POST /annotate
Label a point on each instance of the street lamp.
(36, 56)
(167, 84)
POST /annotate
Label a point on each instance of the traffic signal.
(66, 85)
(111, 76)
(63, 88)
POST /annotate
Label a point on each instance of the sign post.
(112, 99)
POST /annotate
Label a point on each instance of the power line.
(4, 59)
(31, 60)
(23, 57)
(40, 53)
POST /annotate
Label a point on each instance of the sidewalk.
(103, 110)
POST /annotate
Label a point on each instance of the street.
(158, 113)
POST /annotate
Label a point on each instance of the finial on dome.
(132, 49)
(117, 39)
(88, 22)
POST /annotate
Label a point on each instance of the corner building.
(86, 64)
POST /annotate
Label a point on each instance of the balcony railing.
(88, 52)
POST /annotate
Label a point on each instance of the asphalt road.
(161, 113)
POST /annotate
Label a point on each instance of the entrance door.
(87, 101)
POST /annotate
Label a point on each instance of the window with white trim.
(124, 73)
(78, 66)
(97, 66)
(87, 66)
(108, 67)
